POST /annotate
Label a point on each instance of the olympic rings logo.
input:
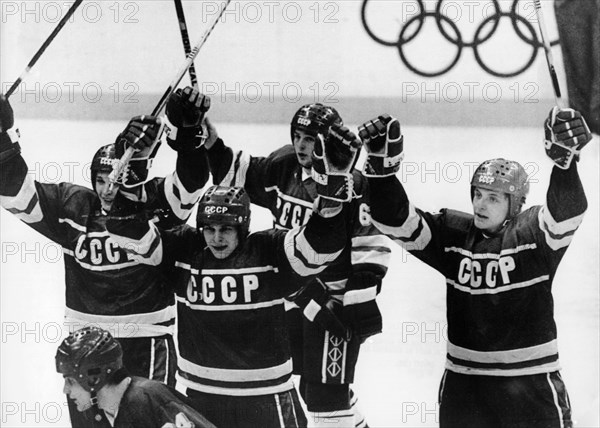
(455, 37)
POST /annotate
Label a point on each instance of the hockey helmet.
(103, 160)
(224, 205)
(91, 356)
(502, 175)
(315, 119)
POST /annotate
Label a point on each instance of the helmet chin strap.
(95, 408)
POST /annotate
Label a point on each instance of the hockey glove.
(143, 133)
(334, 157)
(185, 114)
(9, 137)
(314, 301)
(566, 133)
(384, 144)
(361, 312)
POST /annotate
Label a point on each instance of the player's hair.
(315, 119)
(506, 176)
(225, 205)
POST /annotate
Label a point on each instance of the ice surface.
(399, 371)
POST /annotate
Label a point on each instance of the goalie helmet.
(91, 356)
(315, 119)
(505, 176)
(224, 205)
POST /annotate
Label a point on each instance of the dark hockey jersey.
(232, 335)
(499, 300)
(105, 286)
(277, 182)
(151, 404)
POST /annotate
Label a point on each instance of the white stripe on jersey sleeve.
(558, 234)
(311, 262)
(371, 249)
(147, 250)
(183, 204)
(25, 205)
(355, 297)
(401, 234)
(236, 176)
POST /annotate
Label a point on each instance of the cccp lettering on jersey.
(98, 250)
(222, 290)
(292, 215)
(485, 272)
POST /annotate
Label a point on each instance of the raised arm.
(566, 133)
(321, 241)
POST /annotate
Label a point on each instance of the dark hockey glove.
(361, 313)
(127, 217)
(185, 114)
(9, 137)
(334, 157)
(143, 133)
(314, 301)
(384, 143)
(566, 133)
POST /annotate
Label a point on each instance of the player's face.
(102, 187)
(221, 239)
(303, 145)
(490, 209)
(78, 394)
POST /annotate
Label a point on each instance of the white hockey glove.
(384, 144)
(334, 157)
(185, 115)
(566, 133)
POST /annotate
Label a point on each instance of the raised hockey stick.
(548, 51)
(185, 38)
(119, 166)
(41, 50)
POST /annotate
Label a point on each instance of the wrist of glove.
(185, 139)
(566, 133)
(361, 312)
(384, 144)
(333, 159)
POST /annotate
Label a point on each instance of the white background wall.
(118, 56)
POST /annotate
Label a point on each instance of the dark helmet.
(224, 205)
(505, 176)
(315, 119)
(91, 356)
(103, 160)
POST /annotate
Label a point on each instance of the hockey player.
(233, 344)
(499, 262)
(91, 362)
(283, 183)
(104, 286)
